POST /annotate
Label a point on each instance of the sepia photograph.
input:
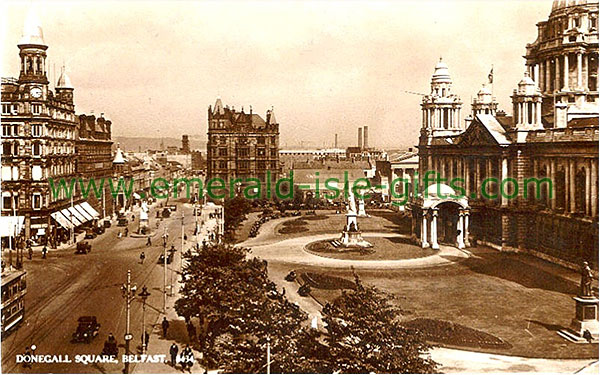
(299, 187)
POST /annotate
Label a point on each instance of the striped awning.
(90, 210)
(83, 213)
(71, 216)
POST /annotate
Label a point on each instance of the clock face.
(36, 92)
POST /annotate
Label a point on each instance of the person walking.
(27, 359)
(149, 241)
(30, 253)
(126, 232)
(173, 350)
(142, 257)
(44, 252)
(165, 326)
(187, 359)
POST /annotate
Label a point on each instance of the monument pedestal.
(584, 327)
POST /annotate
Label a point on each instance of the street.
(65, 286)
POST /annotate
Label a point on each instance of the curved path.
(292, 251)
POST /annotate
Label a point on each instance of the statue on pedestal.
(586, 281)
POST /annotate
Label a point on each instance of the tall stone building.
(242, 145)
(39, 142)
(552, 133)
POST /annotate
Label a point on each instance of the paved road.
(66, 286)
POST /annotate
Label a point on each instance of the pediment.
(476, 135)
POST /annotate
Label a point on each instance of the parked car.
(90, 234)
(87, 329)
(83, 247)
(161, 259)
(99, 230)
(107, 224)
(122, 222)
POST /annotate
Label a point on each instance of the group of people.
(185, 359)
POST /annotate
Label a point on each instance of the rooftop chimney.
(335, 141)
(366, 137)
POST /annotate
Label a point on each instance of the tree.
(364, 335)
(236, 210)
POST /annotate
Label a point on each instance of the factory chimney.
(335, 144)
(360, 145)
(366, 137)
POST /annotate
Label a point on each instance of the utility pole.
(182, 243)
(268, 355)
(128, 292)
(165, 271)
(144, 294)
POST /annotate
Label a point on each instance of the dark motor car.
(161, 259)
(90, 234)
(83, 247)
(87, 329)
(122, 222)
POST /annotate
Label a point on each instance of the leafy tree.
(364, 335)
(236, 210)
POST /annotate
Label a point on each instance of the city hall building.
(552, 133)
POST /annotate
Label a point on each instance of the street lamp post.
(144, 294)
(129, 295)
(165, 271)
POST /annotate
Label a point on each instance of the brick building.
(241, 145)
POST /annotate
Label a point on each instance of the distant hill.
(136, 144)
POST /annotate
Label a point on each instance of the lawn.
(384, 248)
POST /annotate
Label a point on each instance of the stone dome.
(63, 81)
(441, 73)
(32, 30)
(560, 4)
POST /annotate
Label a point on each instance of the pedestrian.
(146, 338)
(44, 252)
(173, 350)
(132, 218)
(30, 253)
(192, 332)
(165, 326)
(142, 257)
(27, 358)
(187, 359)
(120, 234)
(149, 242)
(126, 232)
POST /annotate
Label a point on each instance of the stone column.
(434, 241)
(588, 186)
(567, 187)
(466, 171)
(478, 178)
(466, 231)
(504, 176)
(566, 72)
(538, 113)
(579, 70)
(461, 225)
(594, 188)
(424, 242)
(573, 206)
(556, 73)
(552, 191)
(547, 80)
(536, 74)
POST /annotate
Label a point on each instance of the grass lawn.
(384, 248)
(515, 297)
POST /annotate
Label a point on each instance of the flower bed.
(296, 222)
(323, 281)
(293, 229)
(316, 217)
(448, 333)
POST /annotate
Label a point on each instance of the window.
(16, 148)
(6, 108)
(36, 109)
(261, 140)
(260, 151)
(6, 130)
(36, 201)
(6, 148)
(7, 201)
(244, 164)
(222, 152)
(223, 164)
(37, 149)
(15, 131)
(243, 152)
(273, 152)
(36, 130)
(36, 173)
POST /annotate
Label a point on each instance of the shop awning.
(76, 213)
(71, 216)
(88, 207)
(11, 225)
(63, 221)
(83, 213)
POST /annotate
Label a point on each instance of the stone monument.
(584, 327)
(143, 227)
(361, 208)
(351, 234)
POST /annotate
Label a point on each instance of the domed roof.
(484, 91)
(526, 81)
(32, 30)
(559, 4)
(63, 81)
(440, 190)
(441, 73)
(119, 159)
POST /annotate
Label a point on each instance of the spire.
(63, 81)
(271, 117)
(218, 107)
(32, 30)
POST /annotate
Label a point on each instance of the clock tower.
(32, 50)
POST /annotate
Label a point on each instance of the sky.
(325, 67)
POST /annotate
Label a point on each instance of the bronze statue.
(586, 280)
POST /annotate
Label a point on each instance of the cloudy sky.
(326, 67)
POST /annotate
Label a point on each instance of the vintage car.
(99, 230)
(161, 259)
(83, 247)
(122, 222)
(166, 212)
(90, 234)
(172, 207)
(87, 329)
